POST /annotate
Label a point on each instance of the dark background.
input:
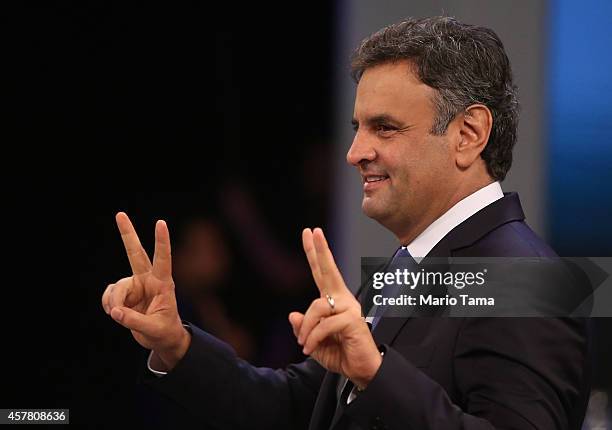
(166, 114)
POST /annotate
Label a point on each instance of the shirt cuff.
(158, 373)
(354, 392)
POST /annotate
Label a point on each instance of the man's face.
(407, 172)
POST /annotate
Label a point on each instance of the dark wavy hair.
(465, 64)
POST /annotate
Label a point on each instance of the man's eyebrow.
(378, 119)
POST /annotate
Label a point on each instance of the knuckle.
(309, 322)
(107, 290)
(136, 251)
(313, 307)
(124, 281)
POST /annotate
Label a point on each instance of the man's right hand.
(145, 302)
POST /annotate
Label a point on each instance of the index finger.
(139, 260)
(330, 278)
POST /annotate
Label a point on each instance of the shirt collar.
(462, 210)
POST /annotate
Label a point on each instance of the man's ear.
(474, 130)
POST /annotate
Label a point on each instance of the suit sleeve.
(224, 391)
(511, 374)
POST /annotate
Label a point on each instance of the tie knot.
(402, 252)
(402, 260)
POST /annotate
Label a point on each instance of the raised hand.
(338, 338)
(145, 302)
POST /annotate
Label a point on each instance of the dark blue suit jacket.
(437, 373)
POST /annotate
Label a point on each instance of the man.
(435, 118)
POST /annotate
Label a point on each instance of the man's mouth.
(371, 182)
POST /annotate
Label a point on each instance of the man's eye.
(385, 129)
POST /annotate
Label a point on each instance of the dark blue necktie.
(401, 260)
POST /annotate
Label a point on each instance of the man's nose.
(361, 150)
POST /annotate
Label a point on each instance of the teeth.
(375, 178)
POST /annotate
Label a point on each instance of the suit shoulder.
(512, 239)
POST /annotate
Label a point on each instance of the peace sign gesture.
(333, 330)
(145, 302)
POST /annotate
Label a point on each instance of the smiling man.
(435, 119)
(403, 161)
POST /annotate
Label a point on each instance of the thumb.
(133, 320)
(296, 319)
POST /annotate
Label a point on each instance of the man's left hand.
(337, 337)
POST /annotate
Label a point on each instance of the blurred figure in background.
(204, 271)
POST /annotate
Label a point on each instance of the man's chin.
(372, 210)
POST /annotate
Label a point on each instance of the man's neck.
(414, 229)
